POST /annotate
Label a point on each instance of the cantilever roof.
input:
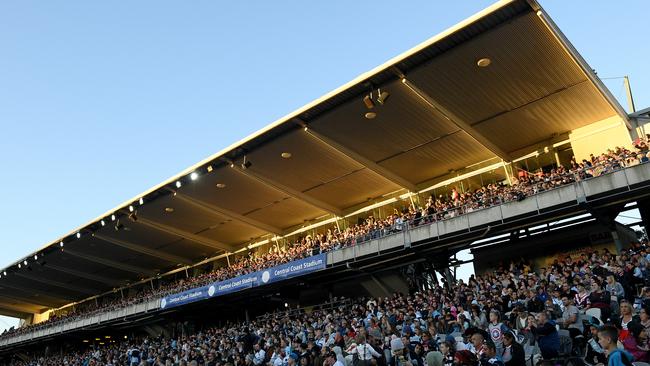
(444, 113)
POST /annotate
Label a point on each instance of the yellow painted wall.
(41, 317)
(599, 136)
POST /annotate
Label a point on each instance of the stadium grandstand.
(331, 236)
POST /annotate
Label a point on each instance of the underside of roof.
(444, 113)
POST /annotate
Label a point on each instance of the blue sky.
(99, 101)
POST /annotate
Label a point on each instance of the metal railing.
(405, 227)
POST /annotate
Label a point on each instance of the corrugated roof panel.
(286, 213)
(561, 112)
(402, 123)
(358, 188)
(311, 164)
(432, 160)
(527, 64)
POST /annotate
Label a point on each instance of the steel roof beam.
(109, 263)
(144, 250)
(453, 118)
(23, 307)
(31, 301)
(79, 289)
(89, 276)
(185, 235)
(353, 155)
(51, 295)
(301, 196)
(14, 312)
(227, 213)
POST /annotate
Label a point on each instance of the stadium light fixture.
(194, 176)
(78, 234)
(130, 208)
(25, 262)
(370, 115)
(209, 168)
(286, 155)
(103, 223)
(35, 257)
(382, 96)
(133, 216)
(367, 100)
(61, 243)
(113, 217)
(246, 164)
(141, 201)
(178, 184)
(483, 62)
(169, 209)
(286, 305)
(221, 185)
(20, 265)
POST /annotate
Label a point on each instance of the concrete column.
(644, 210)
(617, 242)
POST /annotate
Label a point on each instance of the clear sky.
(99, 101)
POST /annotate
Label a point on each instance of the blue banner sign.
(185, 297)
(259, 278)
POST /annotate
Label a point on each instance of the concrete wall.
(599, 136)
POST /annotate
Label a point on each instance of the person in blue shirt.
(607, 338)
(547, 336)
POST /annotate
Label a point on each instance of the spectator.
(513, 352)
(626, 318)
(491, 357)
(465, 358)
(547, 337)
(616, 292)
(607, 338)
(571, 317)
(447, 353)
(636, 343)
(595, 352)
(496, 330)
(332, 360)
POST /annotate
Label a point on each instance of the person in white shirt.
(365, 351)
(331, 360)
(260, 354)
(278, 357)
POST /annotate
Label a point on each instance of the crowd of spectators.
(435, 208)
(513, 315)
